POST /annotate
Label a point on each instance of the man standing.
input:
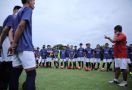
(120, 55)
(22, 48)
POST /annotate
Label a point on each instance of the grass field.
(60, 79)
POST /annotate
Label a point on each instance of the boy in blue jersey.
(37, 56)
(43, 53)
(75, 57)
(89, 58)
(5, 40)
(71, 57)
(81, 56)
(56, 52)
(97, 55)
(63, 58)
(49, 56)
(67, 56)
(106, 60)
(22, 48)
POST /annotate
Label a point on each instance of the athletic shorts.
(121, 63)
(49, 59)
(80, 58)
(5, 47)
(55, 59)
(25, 58)
(43, 60)
(63, 60)
(107, 60)
(97, 60)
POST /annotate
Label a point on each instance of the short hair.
(87, 44)
(24, 1)
(16, 7)
(81, 44)
(118, 28)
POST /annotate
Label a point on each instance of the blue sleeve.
(8, 21)
(27, 14)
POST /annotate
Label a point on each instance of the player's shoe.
(123, 84)
(114, 81)
(61, 67)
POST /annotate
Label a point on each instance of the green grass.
(60, 79)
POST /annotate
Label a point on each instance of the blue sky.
(75, 21)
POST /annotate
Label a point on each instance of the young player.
(37, 56)
(97, 55)
(43, 56)
(106, 53)
(55, 52)
(89, 58)
(67, 56)
(22, 48)
(120, 55)
(5, 40)
(49, 56)
(81, 55)
(63, 58)
(75, 57)
(71, 57)
(130, 58)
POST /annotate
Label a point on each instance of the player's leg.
(28, 63)
(123, 67)
(15, 74)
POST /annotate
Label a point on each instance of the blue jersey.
(49, 52)
(76, 53)
(43, 53)
(63, 54)
(25, 41)
(89, 52)
(111, 53)
(37, 53)
(8, 21)
(71, 53)
(130, 53)
(67, 52)
(106, 53)
(97, 53)
(81, 52)
(56, 53)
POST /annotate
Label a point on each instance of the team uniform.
(81, 56)
(75, 58)
(37, 57)
(71, 57)
(97, 56)
(106, 58)
(63, 58)
(56, 63)
(130, 59)
(6, 61)
(24, 55)
(43, 53)
(89, 58)
(67, 56)
(49, 57)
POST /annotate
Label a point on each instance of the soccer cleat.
(61, 67)
(123, 83)
(114, 81)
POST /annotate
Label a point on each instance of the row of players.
(78, 57)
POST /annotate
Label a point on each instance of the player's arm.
(4, 34)
(18, 32)
(10, 35)
(111, 40)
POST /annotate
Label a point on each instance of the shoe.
(123, 83)
(114, 81)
